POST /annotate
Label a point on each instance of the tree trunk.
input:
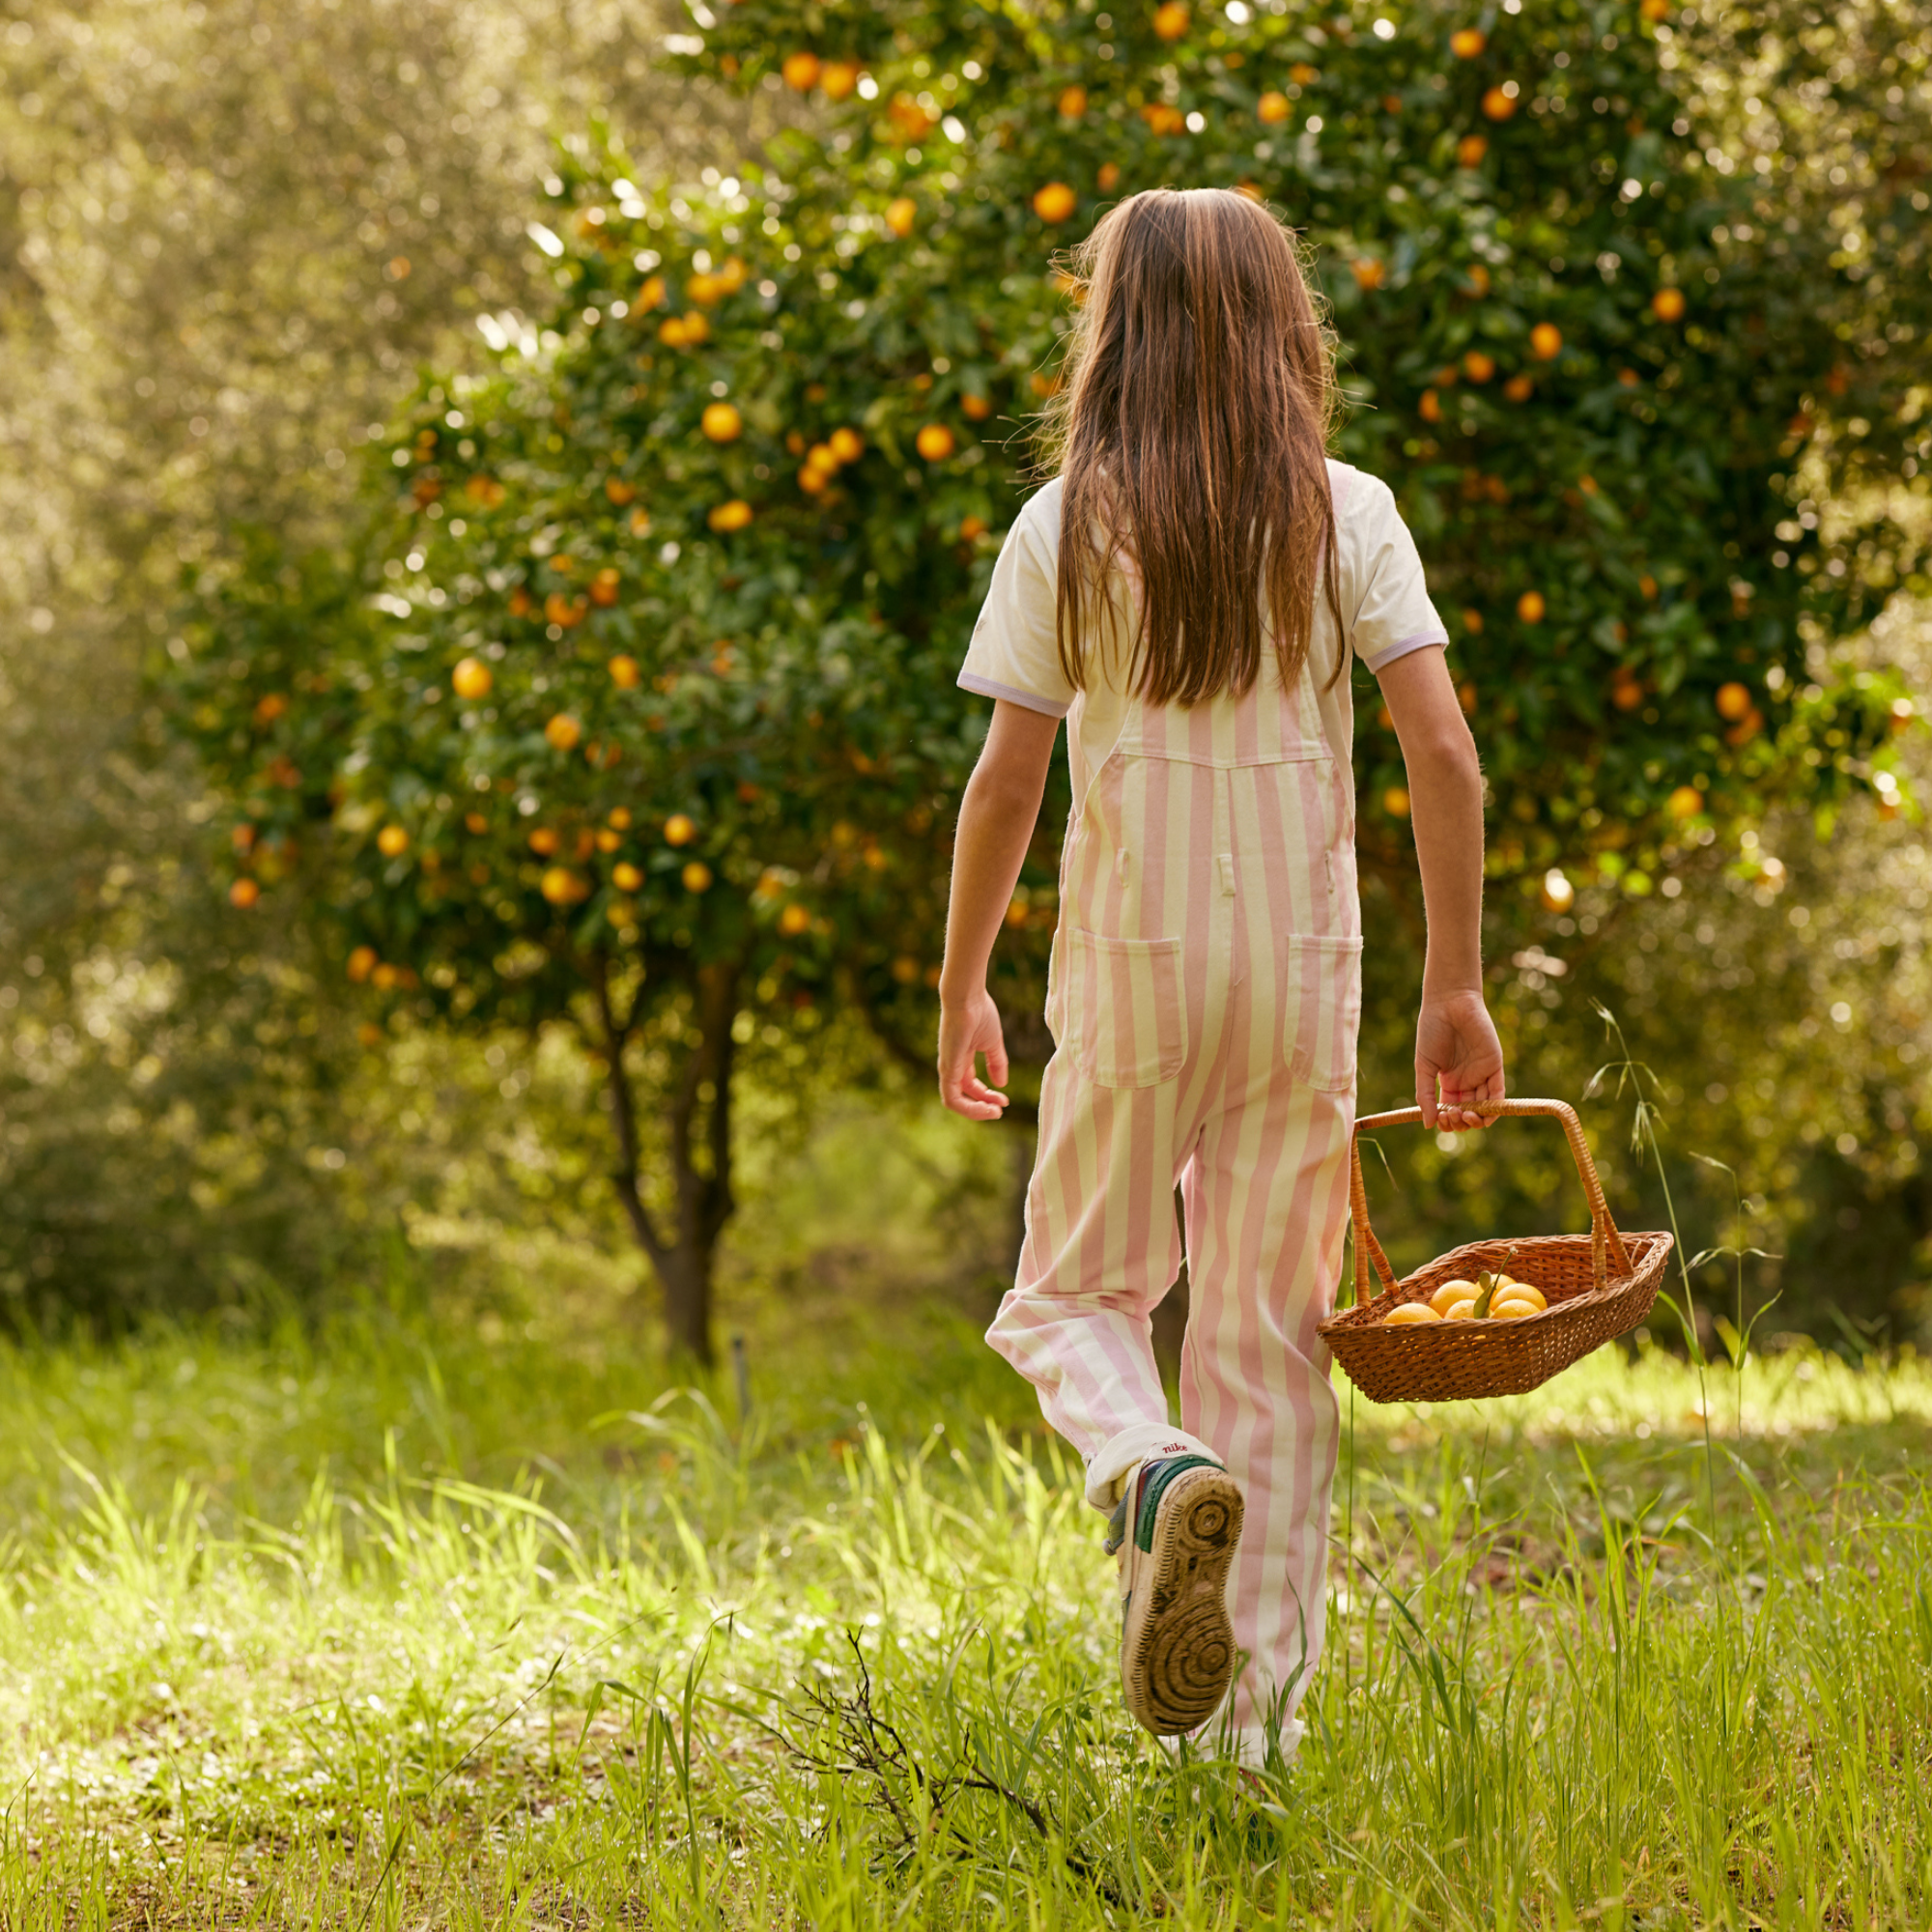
(698, 1124)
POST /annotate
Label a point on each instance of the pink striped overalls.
(1204, 999)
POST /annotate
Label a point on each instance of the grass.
(406, 1625)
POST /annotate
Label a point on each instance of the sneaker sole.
(1177, 1645)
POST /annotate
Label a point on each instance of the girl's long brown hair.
(1192, 429)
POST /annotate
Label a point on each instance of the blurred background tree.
(230, 232)
(1782, 101)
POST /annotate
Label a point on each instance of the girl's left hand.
(966, 1031)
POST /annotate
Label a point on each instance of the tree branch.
(624, 1110)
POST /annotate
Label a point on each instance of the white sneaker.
(1177, 1527)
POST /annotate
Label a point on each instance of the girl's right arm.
(996, 821)
(1459, 1060)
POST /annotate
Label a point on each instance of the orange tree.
(639, 709)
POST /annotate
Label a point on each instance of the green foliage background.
(205, 405)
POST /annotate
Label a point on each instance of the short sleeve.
(1392, 613)
(1014, 654)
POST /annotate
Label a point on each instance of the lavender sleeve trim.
(1401, 647)
(1031, 700)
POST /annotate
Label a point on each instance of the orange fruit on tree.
(1368, 272)
(1734, 702)
(604, 587)
(640, 521)
(839, 77)
(1654, 11)
(1518, 389)
(1686, 802)
(243, 894)
(624, 671)
(271, 707)
(793, 920)
(972, 529)
(1395, 802)
(935, 442)
(1273, 107)
(900, 214)
(562, 887)
(721, 422)
(1429, 407)
(1546, 340)
(1499, 104)
(619, 819)
(696, 877)
(1531, 607)
(1055, 202)
(392, 842)
(471, 678)
(564, 611)
(1627, 692)
(909, 119)
(626, 877)
(1466, 42)
(1470, 150)
(670, 332)
(651, 294)
(361, 963)
(680, 829)
(1108, 178)
(812, 479)
(475, 822)
(728, 517)
(1072, 102)
(1667, 304)
(1478, 368)
(976, 409)
(1170, 20)
(385, 976)
(847, 445)
(608, 841)
(619, 491)
(544, 842)
(800, 70)
(563, 731)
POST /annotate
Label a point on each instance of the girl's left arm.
(996, 822)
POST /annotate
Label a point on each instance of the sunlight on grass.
(835, 1668)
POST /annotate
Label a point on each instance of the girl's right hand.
(968, 1029)
(1458, 1052)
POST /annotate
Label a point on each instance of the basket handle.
(1604, 1240)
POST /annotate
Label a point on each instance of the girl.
(1194, 630)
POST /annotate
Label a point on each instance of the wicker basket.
(1599, 1286)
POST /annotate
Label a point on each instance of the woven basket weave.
(1599, 1286)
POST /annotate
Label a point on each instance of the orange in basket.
(1598, 1286)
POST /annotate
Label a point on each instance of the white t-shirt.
(1385, 604)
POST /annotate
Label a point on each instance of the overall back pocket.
(1322, 1007)
(1124, 1019)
